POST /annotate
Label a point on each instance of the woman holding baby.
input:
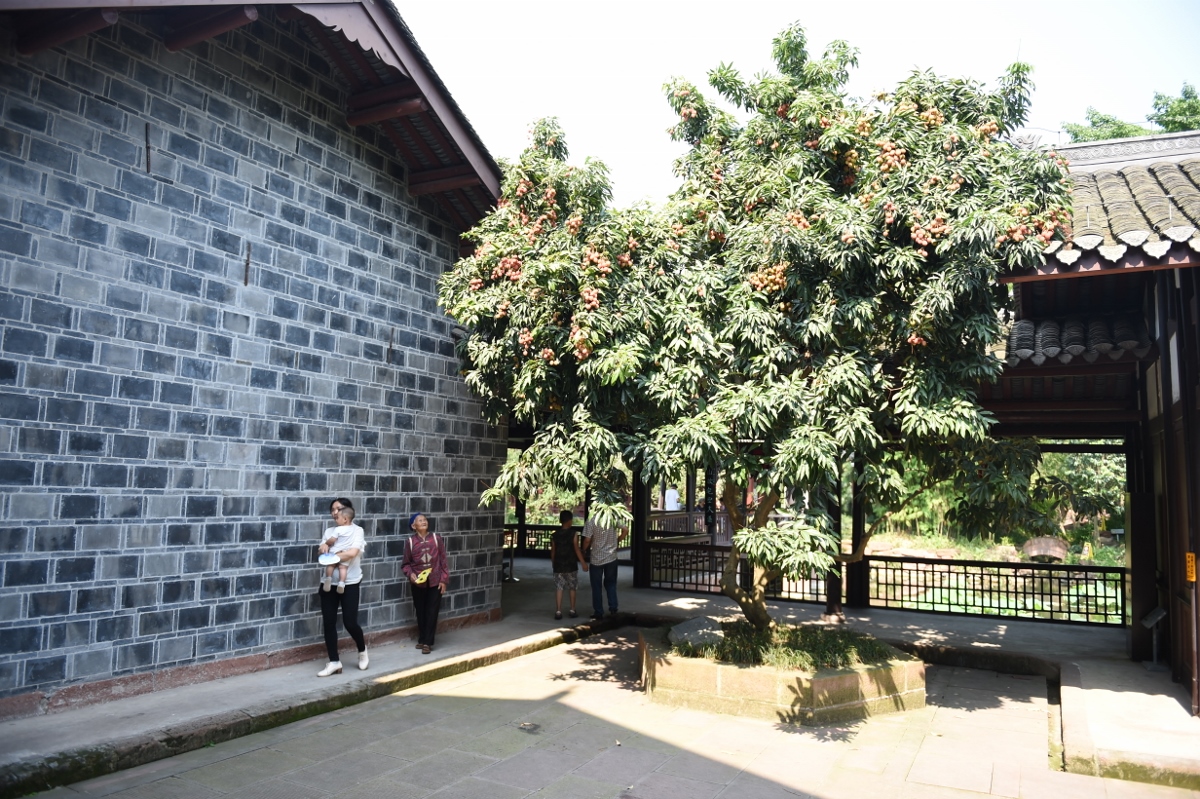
(346, 540)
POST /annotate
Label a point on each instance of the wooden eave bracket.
(379, 113)
(62, 31)
(433, 181)
(205, 29)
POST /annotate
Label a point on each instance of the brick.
(74, 570)
(154, 361)
(25, 342)
(91, 600)
(106, 475)
(112, 206)
(93, 383)
(131, 447)
(39, 440)
(49, 603)
(20, 639)
(80, 506)
(122, 507)
(136, 388)
(62, 474)
(135, 656)
(176, 393)
(17, 473)
(74, 349)
(174, 591)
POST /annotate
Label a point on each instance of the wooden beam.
(1086, 449)
(1135, 260)
(212, 26)
(404, 108)
(395, 92)
(61, 31)
(433, 181)
(1059, 430)
(1104, 366)
(1054, 406)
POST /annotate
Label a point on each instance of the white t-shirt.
(349, 536)
(672, 500)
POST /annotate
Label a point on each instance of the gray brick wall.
(202, 342)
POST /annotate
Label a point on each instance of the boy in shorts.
(565, 559)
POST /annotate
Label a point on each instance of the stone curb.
(63, 768)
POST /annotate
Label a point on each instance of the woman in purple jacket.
(426, 567)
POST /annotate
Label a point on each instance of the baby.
(338, 539)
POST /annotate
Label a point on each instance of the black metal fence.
(698, 567)
(536, 541)
(1039, 591)
(1047, 591)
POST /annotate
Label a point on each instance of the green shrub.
(804, 647)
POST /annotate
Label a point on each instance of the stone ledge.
(829, 696)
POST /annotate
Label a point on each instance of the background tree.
(1171, 114)
(1101, 127)
(1177, 114)
(821, 291)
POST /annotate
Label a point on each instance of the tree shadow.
(608, 657)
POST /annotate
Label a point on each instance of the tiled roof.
(1132, 195)
(1077, 338)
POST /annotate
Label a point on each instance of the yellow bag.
(422, 577)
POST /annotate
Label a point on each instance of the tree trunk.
(753, 599)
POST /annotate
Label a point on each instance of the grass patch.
(803, 647)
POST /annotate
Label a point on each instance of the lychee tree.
(562, 298)
(817, 299)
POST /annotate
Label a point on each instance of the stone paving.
(571, 722)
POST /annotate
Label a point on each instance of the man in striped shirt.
(601, 545)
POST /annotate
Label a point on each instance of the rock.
(697, 632)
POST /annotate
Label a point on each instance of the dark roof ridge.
(1117, 154)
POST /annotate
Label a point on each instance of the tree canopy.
(820, 291)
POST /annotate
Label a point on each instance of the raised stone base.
(829, 696)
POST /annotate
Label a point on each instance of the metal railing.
(698, 568)
(1038, 591)
(1045, 591)
(535, 543)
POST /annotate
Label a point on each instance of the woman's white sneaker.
(334, 667)
(363, 660)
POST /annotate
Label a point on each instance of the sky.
(600, 67)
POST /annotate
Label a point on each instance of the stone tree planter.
(828, 696)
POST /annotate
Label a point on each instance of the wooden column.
(639, 552)
(1141, 542)
(522, 529)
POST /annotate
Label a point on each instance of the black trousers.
(427, 601)
(330, 600)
